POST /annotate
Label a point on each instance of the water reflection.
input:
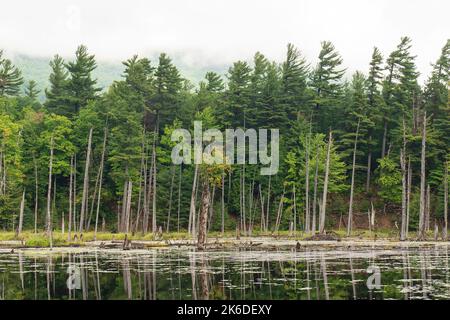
(308, 274)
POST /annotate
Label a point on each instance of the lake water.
(183, 273)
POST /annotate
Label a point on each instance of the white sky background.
(213, 32)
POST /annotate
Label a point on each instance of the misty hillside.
(38, 69)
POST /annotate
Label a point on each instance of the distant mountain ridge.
(38, 69)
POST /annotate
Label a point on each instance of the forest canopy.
(93, 157)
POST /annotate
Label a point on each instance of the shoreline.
(260, 242)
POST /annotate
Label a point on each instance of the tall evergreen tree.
(237, 96)
(168, 84)
(81, 88)
(326, 84)
(57, 96)
(10, 77)
(294, 75)
(31, 91)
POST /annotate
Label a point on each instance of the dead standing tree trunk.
(102, 161)
(49, 191)
(202, 225)
(444, 233)
(316, 177)
(403, 230)
(22, 207)
(36, 194)
(350, 207)
(307, 208)
(69, 231)
(192, 215)
(325, 187)
(422, 181)
(85, 183)
(404, 195)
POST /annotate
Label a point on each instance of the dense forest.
(352, 150)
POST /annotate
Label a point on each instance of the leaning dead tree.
(422, 221)
(325, 187)
(352, 186)
(85, 182)
(102, 161)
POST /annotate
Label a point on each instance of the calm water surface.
(182, 273)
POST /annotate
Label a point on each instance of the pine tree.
(10, 77)
(327, 87)
(81, 88)
(209, 93)
(293, 83)
(436, 103)
(31, 90)
(375, 107)
(237, 96)
(400, 90)
(165, 103)
(57, 96)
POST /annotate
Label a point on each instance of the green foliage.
(390, 180)
(10, 77)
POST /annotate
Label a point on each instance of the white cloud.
(216, 32)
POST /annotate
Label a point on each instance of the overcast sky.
(214, 32)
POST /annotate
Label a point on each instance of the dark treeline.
(372, 145)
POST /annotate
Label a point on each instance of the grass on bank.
(31, 239)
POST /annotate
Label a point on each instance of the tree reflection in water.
(308, 273)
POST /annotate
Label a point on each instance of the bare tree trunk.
(124, 207)
(261, 199)
(211, 209)
(404, 192)
(49, 191)
(22, 206)
(154, 227)
(427, 209)
(85, 182)
(325, 186)
(307, 212)
(422, 180)
(75, 194)
(179, 200)
(268, 204)
(203, 215)
(191, 225)
(94, 196)
(369, 166)
(128, 207)
(295, 212)
(352, 186)
(170, 198)
(404, 185)
(279, 213)
(69, 231)
(316, 182)
(408, 196)
(445, 201)
(36, 194)
(223, 204)
(243, 201)
(102, 161)
(147, 199)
